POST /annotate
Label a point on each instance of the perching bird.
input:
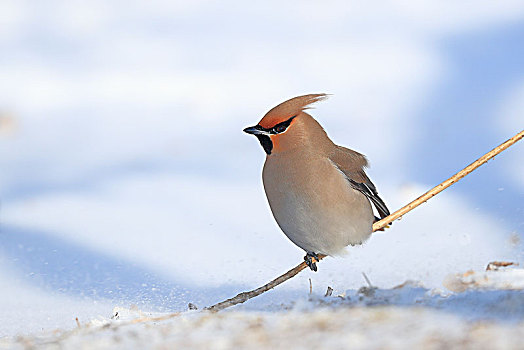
(318, 191)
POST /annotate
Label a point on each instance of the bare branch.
(244, 296)
(441, 187)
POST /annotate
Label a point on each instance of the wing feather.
(352, 164)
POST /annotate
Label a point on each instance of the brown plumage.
(289, 108)
(318, 192)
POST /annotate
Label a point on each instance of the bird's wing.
(352, 164)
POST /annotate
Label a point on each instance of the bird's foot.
(311, 260)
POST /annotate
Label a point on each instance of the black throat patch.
(266, 143)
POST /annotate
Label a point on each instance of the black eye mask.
(280, 127)
(264, 138)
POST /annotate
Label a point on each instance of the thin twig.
(441, 187)
(367, 280)
(244, 296)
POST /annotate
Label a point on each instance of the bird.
(318, 192)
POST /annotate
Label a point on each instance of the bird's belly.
(316, 207)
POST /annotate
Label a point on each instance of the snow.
(408, 315)
(126, 181)
(360, 328)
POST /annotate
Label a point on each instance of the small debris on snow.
(512, 279)
(488, 313)
(495, 265)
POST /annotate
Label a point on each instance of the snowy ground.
(126, 180)
(382, 327)
(488, 313)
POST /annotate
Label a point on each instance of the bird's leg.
(311, 260)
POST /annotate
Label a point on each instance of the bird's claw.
(385, 227)
(311, 260)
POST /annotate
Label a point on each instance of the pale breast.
(314, 204)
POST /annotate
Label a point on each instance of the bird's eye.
(280, 128)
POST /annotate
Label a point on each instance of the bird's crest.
(289, 108)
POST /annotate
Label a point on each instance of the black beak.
(262, 136)
(256, 130)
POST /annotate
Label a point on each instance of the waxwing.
(318, 191)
